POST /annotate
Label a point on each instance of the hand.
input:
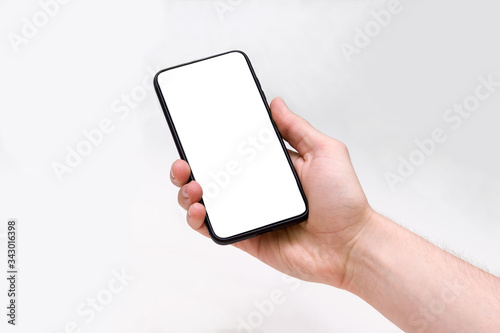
(315, 250)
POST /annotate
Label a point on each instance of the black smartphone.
(222, 126)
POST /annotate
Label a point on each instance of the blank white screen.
(230, 144)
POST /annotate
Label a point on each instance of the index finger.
(180, 173)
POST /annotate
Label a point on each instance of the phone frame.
(254, 232)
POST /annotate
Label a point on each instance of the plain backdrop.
(89, 65)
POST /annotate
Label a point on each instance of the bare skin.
(346, 244)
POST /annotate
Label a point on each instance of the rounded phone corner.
(245, 56)
(155, 78)
(234, 238)
(238, 51)
(305, 215)
(219, 240)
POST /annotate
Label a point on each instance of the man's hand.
(317, 249)
(344, 243)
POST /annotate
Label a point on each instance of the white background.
(117, 210)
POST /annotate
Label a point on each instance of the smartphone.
(222, 126)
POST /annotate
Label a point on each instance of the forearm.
(419, 286)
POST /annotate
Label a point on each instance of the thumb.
(293, 128)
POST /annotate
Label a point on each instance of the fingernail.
(172, 173)
(185, 192)
(189, 211)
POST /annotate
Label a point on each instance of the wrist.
(358, 250)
